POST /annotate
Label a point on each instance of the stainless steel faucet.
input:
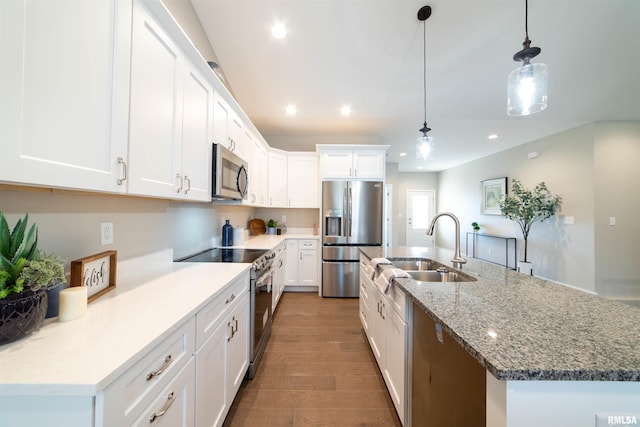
(457, 259)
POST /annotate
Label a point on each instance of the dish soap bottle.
(227, 234)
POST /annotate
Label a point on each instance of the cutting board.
(257, 226)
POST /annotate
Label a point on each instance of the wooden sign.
(96, 272)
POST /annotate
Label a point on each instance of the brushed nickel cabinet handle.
(124, 171)
(165, 365)
(178, 176)
(171, 397)
(186, 178)
(231, 298)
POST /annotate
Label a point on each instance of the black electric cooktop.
(225, 255)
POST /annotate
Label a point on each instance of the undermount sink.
(415, 264)
(436, 276)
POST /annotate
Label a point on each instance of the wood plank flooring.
(317, 370)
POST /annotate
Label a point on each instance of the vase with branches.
(528, 206)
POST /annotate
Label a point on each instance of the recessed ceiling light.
(278, 31)
(403, 154)
(493, 136)
(291, 110)
(345, 110)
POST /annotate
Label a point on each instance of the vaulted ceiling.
(368, 54)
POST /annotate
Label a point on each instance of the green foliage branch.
(528, 206)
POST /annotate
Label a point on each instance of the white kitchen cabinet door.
(258, 175)
(291, 272)
(171, 117)
(211, 403)
(175, 406)
(65, 92)
(278, 179)
(369, 164)
(308, 267)
(302, 182)
(197, 128)
(377, 328)
(221, 117)
(336, 164)
(395, 358)
(157, 70)
(237, 357)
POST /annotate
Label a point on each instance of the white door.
(420, 211)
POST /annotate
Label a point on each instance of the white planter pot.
(525, 268)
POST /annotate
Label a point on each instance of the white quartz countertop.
(83, 356)
(270, 241)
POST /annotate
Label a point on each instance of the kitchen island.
(553, 355)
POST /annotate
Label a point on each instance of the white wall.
(69, 222)
(617, 189)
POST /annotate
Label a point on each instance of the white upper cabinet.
(229, 130)
(277, 178)
(64, 92)
(258, 175)
(170, 118)
(303, 183)
(352, 162)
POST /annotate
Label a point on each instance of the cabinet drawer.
(134, 390)
(213, 313)
(174, 406)
(308, 244)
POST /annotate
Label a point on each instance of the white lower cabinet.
(383, 317)
(279, 273)
(175, 405)
(222, 355)
(303, 264)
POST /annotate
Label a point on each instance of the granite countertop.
(524, 328)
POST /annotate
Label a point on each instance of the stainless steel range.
(261, 261)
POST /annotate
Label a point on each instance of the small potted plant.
(25, 276)
(271, 226)
(475, 227)
(525, 207)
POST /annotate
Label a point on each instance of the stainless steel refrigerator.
(352, 217)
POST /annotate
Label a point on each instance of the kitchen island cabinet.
(552, 355)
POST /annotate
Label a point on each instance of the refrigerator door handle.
(345, 212)
(350, 213)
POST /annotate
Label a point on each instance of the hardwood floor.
(317, 370)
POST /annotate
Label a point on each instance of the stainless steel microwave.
(230, 175)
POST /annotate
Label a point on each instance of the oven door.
(261, 299)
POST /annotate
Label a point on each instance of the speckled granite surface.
(541, 330)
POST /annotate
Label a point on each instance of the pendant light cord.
(424, 69)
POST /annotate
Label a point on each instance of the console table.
(508, 242)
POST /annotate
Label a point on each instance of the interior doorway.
(420, 211)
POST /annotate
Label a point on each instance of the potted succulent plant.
(25, 276)
(525, 207)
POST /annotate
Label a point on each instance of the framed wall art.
(96, 272)
(493, 190)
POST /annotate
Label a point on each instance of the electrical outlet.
(106, 233)
(612, 220)
(284, 219)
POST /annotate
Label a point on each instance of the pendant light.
(527, 86)
(424, 146)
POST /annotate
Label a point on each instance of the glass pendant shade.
(424, 147)
(527, 89)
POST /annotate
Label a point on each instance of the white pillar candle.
(73, 303)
